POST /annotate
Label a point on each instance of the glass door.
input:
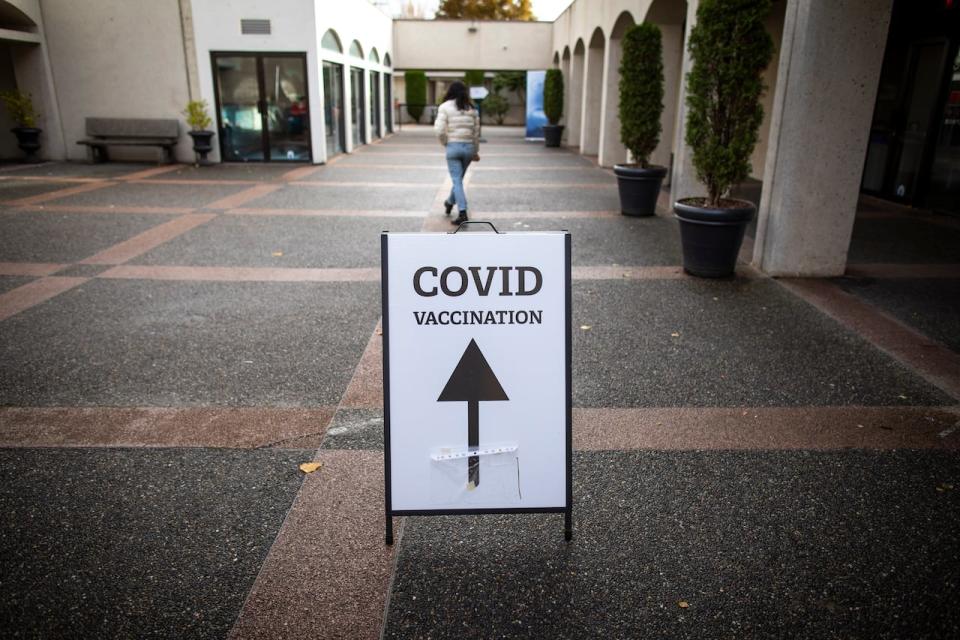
(333, 108)
(357, 102)
(288, 119)
(944, 189)
(238, 100)
(262, 107)
(375, 104)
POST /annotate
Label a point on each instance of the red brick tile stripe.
(29, 268)
(149, 173)
(933, 361)
(163, 427)
(767, 428)
(150, 239)
(366, 386)
(62, 193)
(33, 293)
(328, 572)
(892, 271)
(118, 209)
(241, 274)
(237, 199)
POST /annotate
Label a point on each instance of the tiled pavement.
(781, 456)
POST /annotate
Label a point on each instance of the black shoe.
(448, 207)
(459, 219)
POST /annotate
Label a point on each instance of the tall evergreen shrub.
(415, 83)
(553, 95)
(730, 49)
(641, 91)
(473, 78)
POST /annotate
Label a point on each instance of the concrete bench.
(130, 132)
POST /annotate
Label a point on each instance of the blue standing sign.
(536, 118)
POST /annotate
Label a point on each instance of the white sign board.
(476, 372)
(479, 93)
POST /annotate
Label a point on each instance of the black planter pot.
(639, 188)
(711, 238)
(202, 144)
(552, 134)
(28, 139)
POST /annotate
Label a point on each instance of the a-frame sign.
(476, 374)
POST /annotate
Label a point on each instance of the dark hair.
(458, 91)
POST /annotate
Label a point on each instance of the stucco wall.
(449, 45)
(116, 58)
(216, 25)
(372, 29)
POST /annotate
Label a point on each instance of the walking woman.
(458, 127)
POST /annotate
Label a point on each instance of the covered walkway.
(753, 456)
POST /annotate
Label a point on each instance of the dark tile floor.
(123, 533)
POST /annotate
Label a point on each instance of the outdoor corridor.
(752, 457)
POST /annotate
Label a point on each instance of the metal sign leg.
(389, 530)
(568, 525)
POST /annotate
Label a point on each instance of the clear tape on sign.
(475, 476)
(448, 453)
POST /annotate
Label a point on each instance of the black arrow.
(473, 382)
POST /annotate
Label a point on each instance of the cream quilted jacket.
(457, 126)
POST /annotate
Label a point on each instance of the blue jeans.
(459, 156)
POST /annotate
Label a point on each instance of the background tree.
(641, 91)
(473, 78)
(486, 10)
(415, 83)
(496, 106)
(515, 81)
(730, 49)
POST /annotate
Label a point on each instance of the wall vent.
(254, 27)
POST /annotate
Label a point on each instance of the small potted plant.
(641, 104)
(730, 49)
(553, 107)
(20, 107)
(199, 120)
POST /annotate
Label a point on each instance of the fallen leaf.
(379, 331)
(585, 327)
(310, 467)
(675, 334)
(277, 254)
(902, 397)
(683, 604)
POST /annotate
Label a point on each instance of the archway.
(612, 150)
(576, 95)
(592, 95)
(669, 16)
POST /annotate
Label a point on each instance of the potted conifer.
(553, 107)
(641, 103)
(199, 120)
(20, 107)
(416, 88)
(730, 49)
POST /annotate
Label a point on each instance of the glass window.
(333, 107)
(331, 42)
(357, 106)
(355, 49)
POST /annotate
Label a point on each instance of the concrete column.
(565, 70)
(672, 79)
(592, 93)
(612, 150)
(189, 50)
(818, 135)
(576, 100)
(683, 178)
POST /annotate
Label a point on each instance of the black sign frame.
(389, 511)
